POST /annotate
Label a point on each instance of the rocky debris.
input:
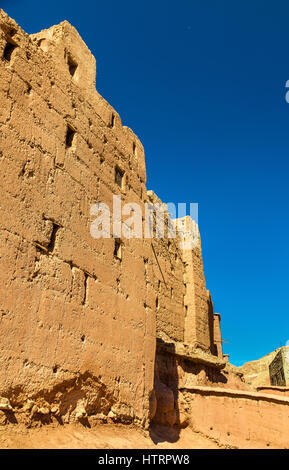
(111, 414)
(55, 410)
(43, 411)
(80, 410)
(5, 404)
(28, 405)
(81, 413)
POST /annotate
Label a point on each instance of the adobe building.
(109, 328)
(71, 317)
(279, 368)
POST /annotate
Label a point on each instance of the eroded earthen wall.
(217, 335)
(81, 317)
(239, 419)
(69, 309)
(279, 368)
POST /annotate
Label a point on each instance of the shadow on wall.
(213, 347)
(168, 415)
(165, 425)
(203, 375)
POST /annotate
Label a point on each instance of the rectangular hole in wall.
(72, 65)
(85, 288)
(8, 51)
(117, 249)
(70, 134)
(157, 303)
(51, 245)
(119, 177)
(112, 121)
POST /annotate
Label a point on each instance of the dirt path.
(105, 436)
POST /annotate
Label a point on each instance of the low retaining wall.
(239, 418)
(282, 391)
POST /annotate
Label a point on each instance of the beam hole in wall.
(146, 269)
(8, 51)
(82, 338)
(112, 120)
(70, 134)
(85, 288)
(54, 370)
(72, 65)
(12, 32)
(117, 249)
(51, 245)
(119, 174)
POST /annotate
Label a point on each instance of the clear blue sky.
(202, 83)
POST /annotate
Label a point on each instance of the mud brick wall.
(68, 305)
(238, 418)
(78, 323)
(166, 276)
(278, 369)
(198, 303)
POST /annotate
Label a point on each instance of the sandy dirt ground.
(106, 436)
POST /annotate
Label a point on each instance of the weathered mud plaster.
(79, 322)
